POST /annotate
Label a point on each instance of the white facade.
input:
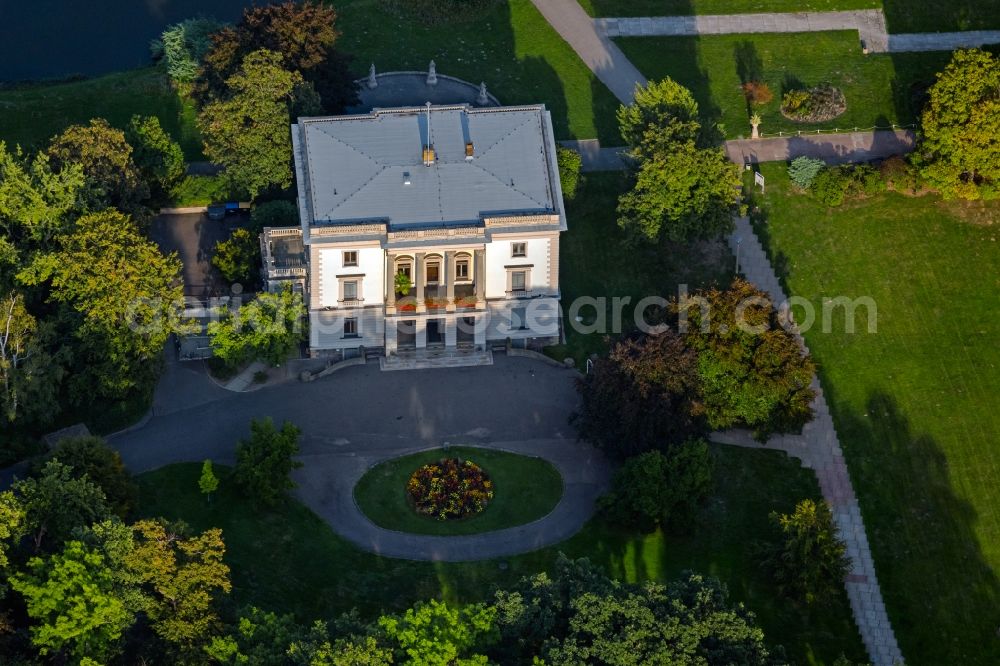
(473, 221)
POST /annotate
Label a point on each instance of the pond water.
(43, 39)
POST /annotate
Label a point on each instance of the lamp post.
(739, 240)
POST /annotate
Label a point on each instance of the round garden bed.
(459, 490)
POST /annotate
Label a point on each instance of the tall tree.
(264, 462)
(29, 374)
(268, 328)
(643, 396)
(753, 372)
(807, 559)
(685, 189)
(11, 527)
(433, 634)
(36, 201)
(183, 574)
(91, 457)
(579, 616)
(159, 158)
(959, 148)
(70, 599)
(56, 503)
(122, 291)
(106, 159)
(238, 257)
(304, 33)
(208, 482)
(182, 47)
(247, 130)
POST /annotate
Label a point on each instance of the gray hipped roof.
(357, 167)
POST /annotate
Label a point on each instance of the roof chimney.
(429, 156)
(470, 150)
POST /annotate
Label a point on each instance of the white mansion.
(465, 202)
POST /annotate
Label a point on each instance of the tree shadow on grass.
(942, 595)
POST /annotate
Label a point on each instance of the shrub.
(807, 560)
(569, 170)
(277, 213)
(899, 175)
(757, 93)
(830, 186)
(450, 488)
(824, 102)
(803, 170)
(659, 488)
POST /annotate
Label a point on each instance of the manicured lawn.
(690, 7)
(525, 489)
(199, 191)
(916, 403)
(31, 116)
(596, 262)
(289, 560)
(510, 46)
(879, 89)
(932, 16)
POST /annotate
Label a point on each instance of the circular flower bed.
(449, 489)
(815, 105)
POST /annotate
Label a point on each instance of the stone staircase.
(422, 359)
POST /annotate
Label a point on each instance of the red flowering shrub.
(450, 488)
(757, 93)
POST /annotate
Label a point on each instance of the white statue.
(372, 81)
(432, 77)
(483, 99)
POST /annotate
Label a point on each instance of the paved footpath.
(870, 24)
(596, 49)
(819, 449)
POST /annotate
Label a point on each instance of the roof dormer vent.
(470, 150)
(406, 178)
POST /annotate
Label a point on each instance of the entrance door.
(435, 332)
(406, 334)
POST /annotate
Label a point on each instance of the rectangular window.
(350, 290)
(519, 249)
(406, 270)
(351, 327)
(519, 319)
(351, 258)
(433, 271)
(462, 269)
(518, 280)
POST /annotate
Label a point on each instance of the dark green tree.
(247, 130)
(265, 461)
(579, 616)
(753, 373)
(238, 257)
(278, 213)
(120, 295)
(304, 33)
(182, 47)
(37, 202)
(643, 396)
(106, 159)
(55, 503)
(959, 149)
(30, 374)
(807, 559)
(92, 458)
(657, 489)
(159, 158)
(570, 163)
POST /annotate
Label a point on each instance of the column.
(418, 280)
(390, 336)
(449, 280)
(450, 332)
(480, 277)
(421, 334)
(390, 283)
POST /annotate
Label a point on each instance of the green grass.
(525, 489)
(692, 7)
(931, 16)
(31, 116)
(510, 46)
(916, 403)
(199, 191)
(596, 262)
(289, 560)
(880, 89)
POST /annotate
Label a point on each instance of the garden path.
(819, 449)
